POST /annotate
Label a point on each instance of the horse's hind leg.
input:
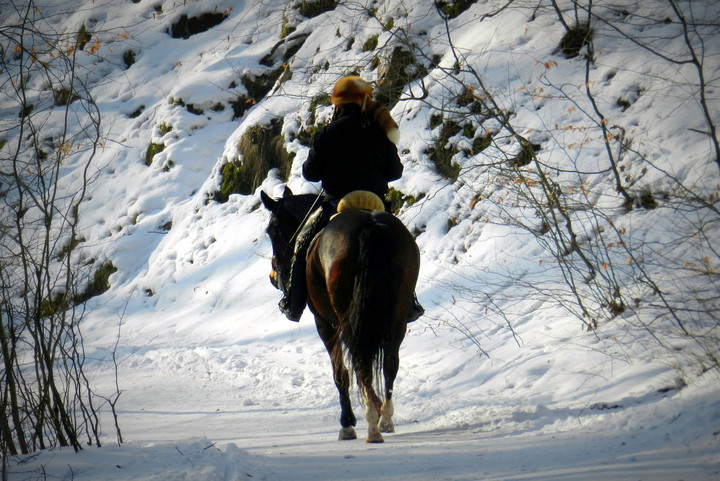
(372, 409)
(342, 381)
(390, 370)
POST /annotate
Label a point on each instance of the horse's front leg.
(342, 382)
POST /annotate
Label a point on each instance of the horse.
(361, 274)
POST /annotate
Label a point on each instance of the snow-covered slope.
(495, 382)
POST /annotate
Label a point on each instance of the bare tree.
(51, 125)
(532, 181)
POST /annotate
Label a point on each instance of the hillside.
(563, 191)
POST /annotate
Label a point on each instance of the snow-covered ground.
(217, 385)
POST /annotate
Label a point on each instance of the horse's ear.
(287, 192)
(268, 202)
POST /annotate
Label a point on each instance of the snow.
(495, 383)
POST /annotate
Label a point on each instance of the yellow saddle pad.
(360, 199)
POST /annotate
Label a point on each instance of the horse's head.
(287, 215)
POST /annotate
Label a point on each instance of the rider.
(356, 151)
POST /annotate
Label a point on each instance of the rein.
(307, 216)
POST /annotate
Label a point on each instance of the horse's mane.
(298, 206)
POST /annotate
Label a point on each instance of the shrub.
(575, 39)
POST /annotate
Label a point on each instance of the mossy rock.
(259, 85)
(395, 73)
(55, 305)
(129, 58)
(151, 151)
(286, 28)
(284, 50)
(398, 199)
(623, 103)
(454, 8)
(480, 143)
(370, 44)
(526, 154)
(98, 284)
(186, 26)
(313, 8)
(305, 135)
(193, 109)
(137, 112)
(164, 128)
(436, 120)
(321, 100)
(442, 158)
(441, 154)
(469, 101)
(262, 148)
(240, 105)
(647, 200)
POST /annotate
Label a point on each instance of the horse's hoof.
(374, 438)
(347, 433)
(387, 427)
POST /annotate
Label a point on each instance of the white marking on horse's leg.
(347, 433)
(386, 412)
(373, 417)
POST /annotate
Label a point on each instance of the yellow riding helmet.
(351, 90)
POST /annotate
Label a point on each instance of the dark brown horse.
(361, 274)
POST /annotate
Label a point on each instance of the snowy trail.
(299, 443)
(268, 410)
(202, 424)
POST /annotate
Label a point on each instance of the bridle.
(274, 272)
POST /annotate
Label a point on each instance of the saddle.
(357, 199)
(360, 199)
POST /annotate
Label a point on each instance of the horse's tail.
(368, 324)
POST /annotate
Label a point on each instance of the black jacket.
(352, 154)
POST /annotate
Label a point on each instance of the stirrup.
(416, 310)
